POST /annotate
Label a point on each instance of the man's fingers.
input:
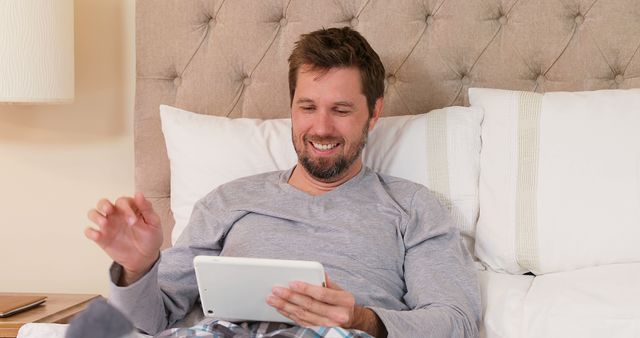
(97, 218)
(92, 234)
(309, 309)
(146, 209)
(142, 203)
(322, 294)
(330, 283)
(305, 315)
(96, 236)
(126, 206)
(296, 319)
(286, 314)
(105, 207)
(304, 323)
(131, 209)
(300, 300)
(105, 227)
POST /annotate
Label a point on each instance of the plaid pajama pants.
(212, 328)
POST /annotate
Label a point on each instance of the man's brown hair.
(339, 47)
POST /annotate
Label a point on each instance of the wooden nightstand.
(59, 308)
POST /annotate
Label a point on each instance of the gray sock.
(100, 320)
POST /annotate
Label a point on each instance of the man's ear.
(377, 111)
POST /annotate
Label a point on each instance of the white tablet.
(236, 289)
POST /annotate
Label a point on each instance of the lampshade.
(36, 51)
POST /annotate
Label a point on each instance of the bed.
(229, 58)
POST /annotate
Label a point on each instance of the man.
(396, 266)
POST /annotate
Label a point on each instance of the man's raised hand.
(129, 231)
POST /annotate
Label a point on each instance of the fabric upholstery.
(229, 58)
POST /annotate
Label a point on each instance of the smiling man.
(331, 121)
(395, 264)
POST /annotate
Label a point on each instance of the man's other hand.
(312, 305)
(129, 231)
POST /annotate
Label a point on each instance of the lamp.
(36, 51)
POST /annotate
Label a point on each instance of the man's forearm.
(128, 277)
(369, 322)
(141, 301)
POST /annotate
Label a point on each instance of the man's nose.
(323, 123)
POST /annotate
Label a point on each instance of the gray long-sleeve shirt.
(386, 240)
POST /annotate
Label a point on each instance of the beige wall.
(57, 161)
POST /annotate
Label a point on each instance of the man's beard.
(326, 169)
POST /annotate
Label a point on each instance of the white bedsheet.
(41, 330)
(594, 302)
(503, 299)
(44, 330)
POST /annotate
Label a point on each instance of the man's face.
(330, 121)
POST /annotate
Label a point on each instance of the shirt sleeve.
(442, 289)
(169, 290)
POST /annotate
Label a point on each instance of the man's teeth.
(320, 146)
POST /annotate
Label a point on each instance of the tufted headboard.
(229, 57)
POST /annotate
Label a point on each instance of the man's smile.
(324, 146)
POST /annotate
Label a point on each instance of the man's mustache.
(323, 139)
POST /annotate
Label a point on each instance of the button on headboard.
(230, 57)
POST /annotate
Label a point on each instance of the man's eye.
(308, 108)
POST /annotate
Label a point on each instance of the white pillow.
(559, 179)
(440, 149)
